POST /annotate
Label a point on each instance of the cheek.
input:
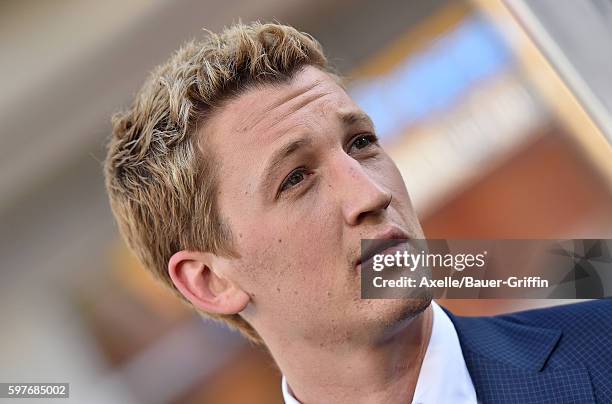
(290, 253)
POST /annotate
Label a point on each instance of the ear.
(194, 276)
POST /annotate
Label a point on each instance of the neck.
(383, 370)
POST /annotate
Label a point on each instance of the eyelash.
(285, 184)
(372, 138)
(369, 136)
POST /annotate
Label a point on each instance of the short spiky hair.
(160, 175)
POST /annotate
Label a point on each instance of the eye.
(363, 141)
(293, 179)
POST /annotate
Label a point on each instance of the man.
(245, 177)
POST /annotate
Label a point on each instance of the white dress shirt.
(444, 377)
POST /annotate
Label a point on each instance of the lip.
(385, 240)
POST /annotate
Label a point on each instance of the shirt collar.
(287, 396)
(444, 377)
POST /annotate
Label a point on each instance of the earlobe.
(193, 275)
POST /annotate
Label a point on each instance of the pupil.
(295, 178)
(361, 142)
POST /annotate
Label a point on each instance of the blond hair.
(160, 177)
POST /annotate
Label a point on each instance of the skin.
(297, 236)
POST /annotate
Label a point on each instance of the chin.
(396, 314)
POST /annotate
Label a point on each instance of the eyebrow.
(352, 118)
(279, 156)
(348, 119)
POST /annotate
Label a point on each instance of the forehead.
(246, 132)
(265, 113)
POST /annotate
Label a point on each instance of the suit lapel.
(510, 362)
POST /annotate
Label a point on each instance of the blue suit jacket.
(554, 355)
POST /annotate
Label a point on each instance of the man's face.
(302, 181)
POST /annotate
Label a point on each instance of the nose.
(362, 195)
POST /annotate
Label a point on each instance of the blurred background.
(498, 113)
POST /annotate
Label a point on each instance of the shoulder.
(586, 331)
(577, 330)
(538, 347)
(584, 317)
(574, 331)
(588, 316)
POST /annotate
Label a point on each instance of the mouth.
(387, 242)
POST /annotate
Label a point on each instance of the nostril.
(389, 201)
(361, 217)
